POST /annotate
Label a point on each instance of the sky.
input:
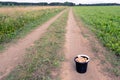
(75, 1)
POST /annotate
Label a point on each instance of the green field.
(105, 22)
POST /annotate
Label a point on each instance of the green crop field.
(105, 22)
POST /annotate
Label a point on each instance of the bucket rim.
(80, 55)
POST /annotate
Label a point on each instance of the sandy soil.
(14, 54)
(76, 44)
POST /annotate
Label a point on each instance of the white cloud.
(75, 1)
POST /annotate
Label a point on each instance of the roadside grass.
(115, 62)
(26, 27)
(45, 56)
(82, 14)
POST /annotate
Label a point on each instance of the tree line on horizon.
(37, 4)
(55, 4)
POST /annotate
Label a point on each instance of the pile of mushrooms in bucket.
(81, 63)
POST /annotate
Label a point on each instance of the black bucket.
(81, 67)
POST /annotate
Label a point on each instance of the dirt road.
(14, 54)
(76, 44)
